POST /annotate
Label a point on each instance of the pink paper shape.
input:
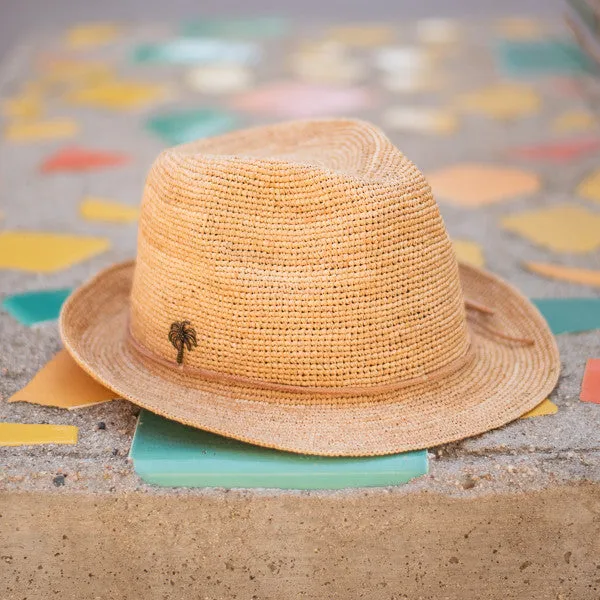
(299, 100)
(590, 386)
(557, 152)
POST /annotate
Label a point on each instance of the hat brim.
(503, 380)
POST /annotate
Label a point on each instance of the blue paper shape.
(544, 57)
(167, 453)
(251, 28)
(189, 125)
(570, 315)
(31, 308)
(197, 51)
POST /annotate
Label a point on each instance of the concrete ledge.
(259, 545)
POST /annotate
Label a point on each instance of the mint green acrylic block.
(167, 453)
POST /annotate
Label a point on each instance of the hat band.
(352, 390)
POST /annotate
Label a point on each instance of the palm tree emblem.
(182, 336)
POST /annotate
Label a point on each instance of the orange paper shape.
(571, 274)
(590, 386)
(64, 384)
(75, 158)
(472, 185)
(546, 407)
(25, 434)
(563, 228)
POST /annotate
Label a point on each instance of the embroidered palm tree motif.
(182, 336)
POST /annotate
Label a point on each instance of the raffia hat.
(295, 287)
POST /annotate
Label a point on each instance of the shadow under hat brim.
(501, 382)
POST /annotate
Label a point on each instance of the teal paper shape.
(167, 453)
(31, 308)
(189, 125)
(197, 51)
(570, 315)
(545, 57)
(252, 28)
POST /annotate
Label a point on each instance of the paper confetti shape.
(590, 386)
(570, 274)
(570, 315)
(189, 125)
(34, 131)
(38, 252)
(546, 407)
(501, 101)
(92, 34)
(64, 384)
(471, 185)
(326, 63)
(361, 35)
(574, 120)
(520, 28)
(412, 81)
(469, 252)
(117, 95)
(75, 158)
(403, 58)
(589, 188)
(60, 70)
(437, 31)
(563, 228)
(557, 152)
(197, 51)
(24, 434)
(298, 100)
(99, 209)
(251, 28)
(31, 308)
(26, 105)
(219, 79)
(540, 58)
(421, 120)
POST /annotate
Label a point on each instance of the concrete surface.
(529, 490)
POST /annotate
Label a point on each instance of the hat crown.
(308, 253)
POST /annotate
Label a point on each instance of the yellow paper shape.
(589, 188)
(64, 384)
(520, 28)
(117, 95)
(501, 101)
(469, 252)
(39, 252)
(98, 209)
(472, 185)
(563, 228)
(571, 274)
(24, 434)
(75, 72)
(361, 35)
(32, 131)
(92, 34)
(437, 31)
(326, 63)
(26, 105)
(424, 120)
(574, 120)
(546, 407)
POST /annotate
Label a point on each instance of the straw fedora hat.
(295, 287)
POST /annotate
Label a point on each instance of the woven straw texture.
(312, 265)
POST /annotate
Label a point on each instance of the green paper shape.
(167, 453)
(31, 308)
(190, 51)
(252, 28)
(187, 126)
(570, 315)
(546, 57)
